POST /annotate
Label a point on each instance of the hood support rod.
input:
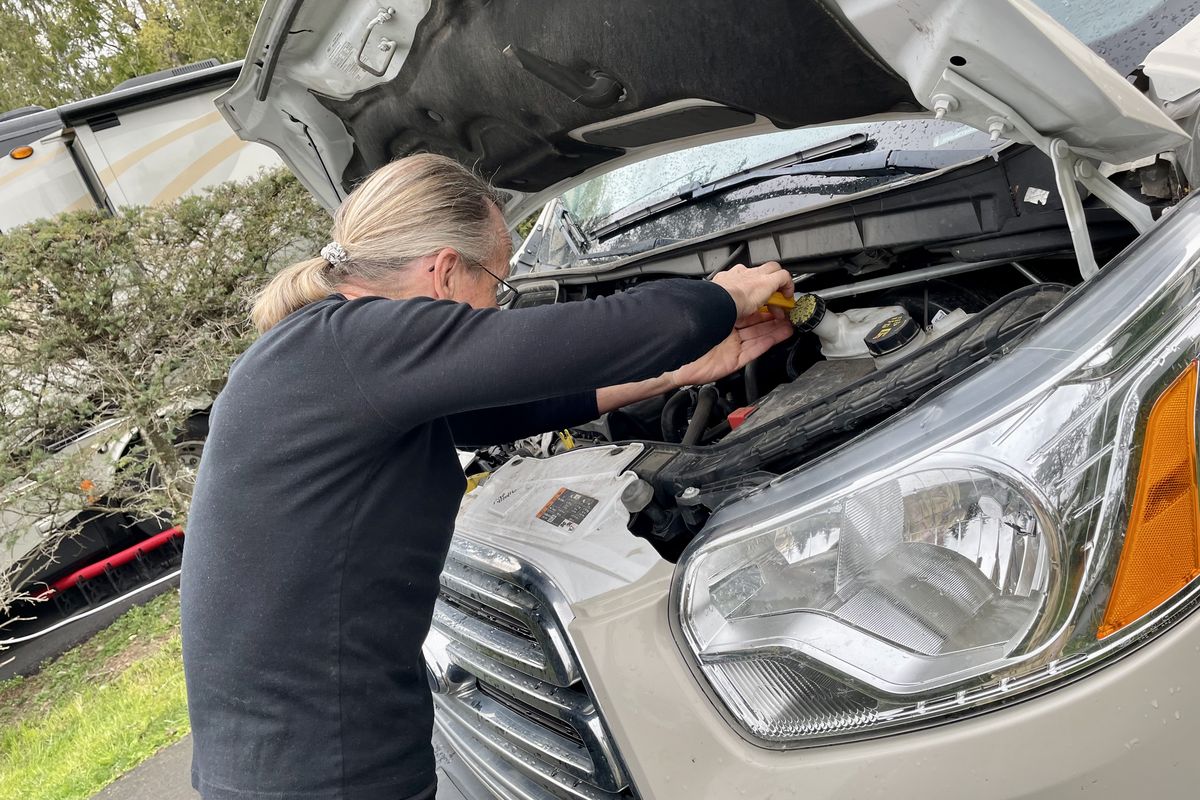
(1064, 175)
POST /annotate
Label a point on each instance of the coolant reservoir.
(842, 335)
(889, 339)
(898, 335)
(944, 322)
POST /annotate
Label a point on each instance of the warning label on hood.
(567, 509)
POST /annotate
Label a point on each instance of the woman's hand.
(751, 286)
(753, 335)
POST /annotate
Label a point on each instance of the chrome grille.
(536, 715)
(509, 692)
(485, 614)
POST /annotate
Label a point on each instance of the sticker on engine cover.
(505, 500)
(1036, 196)
(567, 509)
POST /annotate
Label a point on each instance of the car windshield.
(1122, 33)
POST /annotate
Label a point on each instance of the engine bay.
(707, 444)
(876, 329)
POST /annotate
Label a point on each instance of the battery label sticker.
(567, 509)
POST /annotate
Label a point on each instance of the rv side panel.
(42, 185)
(158, 153)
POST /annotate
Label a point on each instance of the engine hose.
(716, 431)
(789, 362)
(751, 378)
(675, 405)
(704, 407)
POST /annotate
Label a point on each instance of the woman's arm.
(610, 398)
(752, 336)
(488, 426)
(416, 360)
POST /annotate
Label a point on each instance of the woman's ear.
(448, 270)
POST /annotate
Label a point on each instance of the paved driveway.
(165, 776)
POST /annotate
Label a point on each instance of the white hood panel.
(1001, 64)
(1018, 54)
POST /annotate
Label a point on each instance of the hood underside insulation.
(499, 85)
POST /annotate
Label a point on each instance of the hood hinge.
(1070, 168)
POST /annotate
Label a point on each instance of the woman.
(326, 497)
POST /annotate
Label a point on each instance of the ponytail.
(403, 211)
(290, 289)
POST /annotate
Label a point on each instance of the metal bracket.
(1069, 168)
(1137, 214)
(385, 45)
(1064, 175)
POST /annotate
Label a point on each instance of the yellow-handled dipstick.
(780, 300)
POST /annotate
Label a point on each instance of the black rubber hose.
(716, 431)
(704, 407)
(671, 410)
(751, 376)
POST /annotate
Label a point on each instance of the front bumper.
(1112, 733)
(1124, 731)
(456, 781)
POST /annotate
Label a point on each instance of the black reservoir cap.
(891, 334)
(807, 313)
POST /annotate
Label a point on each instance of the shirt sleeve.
(489, 426)
(420, 359)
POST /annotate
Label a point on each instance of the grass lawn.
(97, 711)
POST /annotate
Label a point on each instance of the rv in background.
(151, 140)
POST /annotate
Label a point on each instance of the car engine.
(847, 368)
(959, 271)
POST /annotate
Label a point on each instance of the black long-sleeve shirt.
(324, 506)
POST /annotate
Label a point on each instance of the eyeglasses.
(505, 291)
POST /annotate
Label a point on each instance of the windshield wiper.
(880, 163)
(695, 191)
(637, 248)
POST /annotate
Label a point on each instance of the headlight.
(1030, 523)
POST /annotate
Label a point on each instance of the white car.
(944, 543)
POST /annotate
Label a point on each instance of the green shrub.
(139, 316)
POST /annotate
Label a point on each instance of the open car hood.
(540, 95)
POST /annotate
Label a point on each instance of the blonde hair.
(411, 208)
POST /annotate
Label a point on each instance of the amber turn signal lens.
(1161, 553)
(24, 151)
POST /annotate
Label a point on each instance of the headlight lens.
(948, 566)
(847, 600)
(905, 586)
